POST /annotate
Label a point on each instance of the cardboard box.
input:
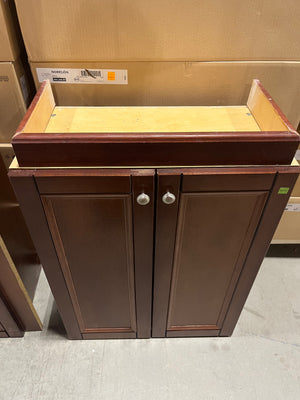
(15, 94)
(169, 30)
(172, 83)
(11, 43)
(288, 230)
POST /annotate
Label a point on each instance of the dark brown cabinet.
(133, 243)
(212, 227)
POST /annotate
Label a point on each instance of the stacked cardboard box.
(10, 35)
(164, 52)
(14, 97)
(15, 89)
(288, 230)
(160, 30)
(15, 94)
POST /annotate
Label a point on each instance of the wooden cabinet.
(96, 244)
(151, 249)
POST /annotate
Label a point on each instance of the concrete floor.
(260, 361)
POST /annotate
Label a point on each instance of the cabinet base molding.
(193, 333)
(109, 335)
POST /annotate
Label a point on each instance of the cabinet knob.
(143, 199)
(169, 198)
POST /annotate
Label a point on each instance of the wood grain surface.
(151, 119)
(214, 232)
(95, 250)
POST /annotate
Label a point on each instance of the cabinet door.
(94, 242)
(202, 241)
(104, 243)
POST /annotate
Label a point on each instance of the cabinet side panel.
(13, 228)
(93, 239)
(29, 199)
(269, 221)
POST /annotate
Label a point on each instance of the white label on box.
(85, 76)
(292, 207)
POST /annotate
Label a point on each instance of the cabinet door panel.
(95, 243)
(93, 239)
(215, 217)
(213, 234)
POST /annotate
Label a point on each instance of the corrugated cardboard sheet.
(10, 38)
(182, 83)
(14, 94)
(168, 30)
(288, 230)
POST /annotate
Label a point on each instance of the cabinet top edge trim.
(156, 137)
(151, 170)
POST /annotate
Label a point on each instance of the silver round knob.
(143, 199)
(169, 198)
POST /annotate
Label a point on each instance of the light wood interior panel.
(39, 117)
(263, 111)
(151, 119)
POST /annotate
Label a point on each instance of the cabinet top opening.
(253, 134)
(260, 114)
(151, 119)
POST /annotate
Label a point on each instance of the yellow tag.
(111, 76)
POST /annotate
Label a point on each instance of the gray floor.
(260, 361)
